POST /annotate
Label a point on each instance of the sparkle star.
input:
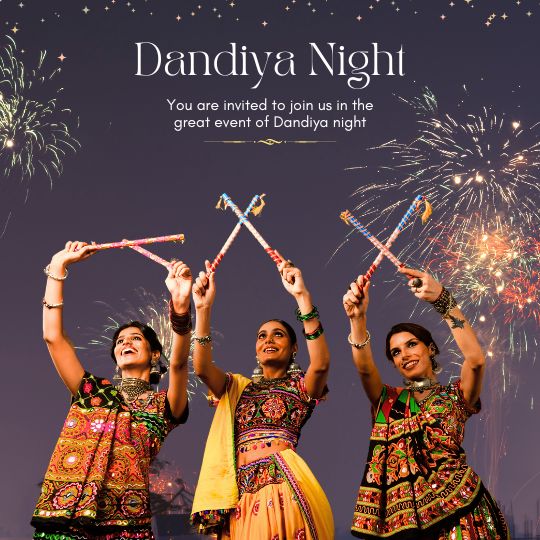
(504, 16)
(85, 10)
(443, 16)
(264, 23)
(178, 18)
(15, 29)
(61, 57)
(529, 13)
(359, 18)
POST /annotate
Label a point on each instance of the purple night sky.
(134, 176)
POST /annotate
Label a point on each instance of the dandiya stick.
(141, 241)
(150, 255)
(244, 221)
(401, 225)
(348, 218)
(232, 236)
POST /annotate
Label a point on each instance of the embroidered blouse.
(98, 475)
(272, 409)
(416, 474)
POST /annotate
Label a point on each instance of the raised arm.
(204, 292)
(319, 356)
(472, 369)
(179, 284)
(62, 352)
(355, 303)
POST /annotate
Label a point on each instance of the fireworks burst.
(477, 162)
(150, 310)
(34, 135)
(492, 263)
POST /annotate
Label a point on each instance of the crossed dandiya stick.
(251, 208)
(243, 220)
(136, 244)
(384, 250)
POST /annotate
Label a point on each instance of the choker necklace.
(133, 387)
(267, 382)
(420, 386)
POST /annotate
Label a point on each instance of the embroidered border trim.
(297, 490)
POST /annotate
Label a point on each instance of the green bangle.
(314, 335)
(313, 314)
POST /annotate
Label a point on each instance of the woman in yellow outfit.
(252, 483)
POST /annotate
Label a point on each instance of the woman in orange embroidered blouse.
(97, 483)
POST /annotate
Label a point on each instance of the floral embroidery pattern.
(99, 468)
(273, 408)
(416, 474)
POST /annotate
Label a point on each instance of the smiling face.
(132, 349)
(411, 356)
(274, 346)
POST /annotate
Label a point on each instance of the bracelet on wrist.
(204, 340)
(181, 323)
(313, 314)
(444, 303)
(319, 331)
(47, 272)
(52, 306)
(359, 345)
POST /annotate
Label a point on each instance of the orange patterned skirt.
(280, 499)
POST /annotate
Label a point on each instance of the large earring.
(155, 373)
(257, 374)
(435, 365)
(293, 368)
(117, 376)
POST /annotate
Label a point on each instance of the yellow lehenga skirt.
(280, 499)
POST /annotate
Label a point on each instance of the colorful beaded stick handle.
(244, 221)
(130, 243)
(152, 256)
(214, 264)
(348, 218)
(401, 225)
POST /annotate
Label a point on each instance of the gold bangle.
(51, 306)
(359, 345)
(47, 272)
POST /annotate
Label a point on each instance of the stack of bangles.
(313, 314)
(47, 272)
(444, 303)
(181, 323)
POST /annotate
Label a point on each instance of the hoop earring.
(435, 365)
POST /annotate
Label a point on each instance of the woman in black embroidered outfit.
(417, 483)
(97, 483)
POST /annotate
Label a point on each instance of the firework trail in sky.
(482, 162)
(34, 133)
